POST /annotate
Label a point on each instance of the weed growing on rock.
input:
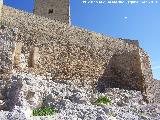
(103, 100)
(44, 111)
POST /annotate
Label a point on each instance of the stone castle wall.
(156, 91)
(152, 88)
(68, 52)
(147, 73)
(123, 71)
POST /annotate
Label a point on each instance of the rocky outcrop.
(28, 91)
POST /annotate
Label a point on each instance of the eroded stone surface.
(73, 102)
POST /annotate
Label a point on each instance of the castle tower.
(53, 9)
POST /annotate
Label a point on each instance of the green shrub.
(44, 111)
(103, 100)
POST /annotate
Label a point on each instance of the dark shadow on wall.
(123, 71)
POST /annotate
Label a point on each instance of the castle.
(53, 47)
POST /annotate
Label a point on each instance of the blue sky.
(134, 21)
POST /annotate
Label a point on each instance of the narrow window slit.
(50, 11)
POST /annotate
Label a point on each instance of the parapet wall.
(130, 41)
(68, 52)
